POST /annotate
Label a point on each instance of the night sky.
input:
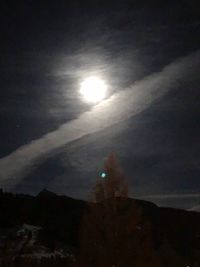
(148, 52)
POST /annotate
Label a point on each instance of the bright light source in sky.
(103, 175)
(93, 89)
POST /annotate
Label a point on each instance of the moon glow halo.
(93, 89)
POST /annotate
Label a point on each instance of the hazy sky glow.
(93, 89)
(119, 107)
(144, 58)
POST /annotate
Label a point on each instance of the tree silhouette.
(113, 232)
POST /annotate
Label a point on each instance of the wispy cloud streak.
(170, 196)
(121, 106)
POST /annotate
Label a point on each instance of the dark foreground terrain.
(35, 231)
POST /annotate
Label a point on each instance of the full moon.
(93, 89)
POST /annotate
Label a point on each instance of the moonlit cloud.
(119, 107)
(195, 208)
(169, 196)
(184, 201)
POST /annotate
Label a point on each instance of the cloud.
(195, 208)
(119, 107)
(181, 201)
(170, 196)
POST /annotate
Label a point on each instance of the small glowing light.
(103, 175)
(93, 89)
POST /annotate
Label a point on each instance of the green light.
(103, 175)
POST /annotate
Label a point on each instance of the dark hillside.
(60, 218)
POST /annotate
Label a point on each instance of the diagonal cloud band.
(119, 107)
